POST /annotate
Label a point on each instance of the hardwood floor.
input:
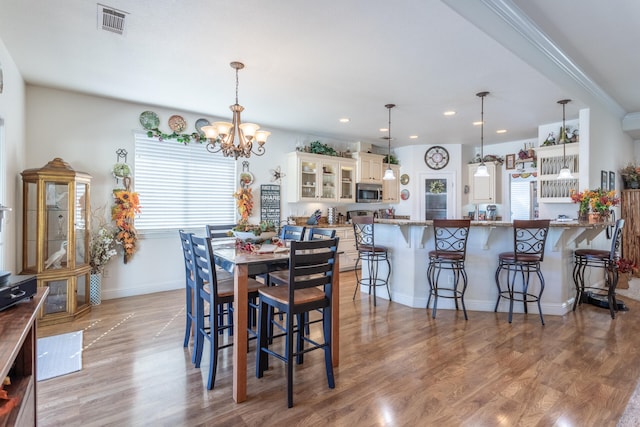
(398, 367)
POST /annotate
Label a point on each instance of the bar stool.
(450, 251)
(529, 238)
(370, 253)
(606, 260)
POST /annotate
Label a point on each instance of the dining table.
(242, 263)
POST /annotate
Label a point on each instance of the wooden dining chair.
(311, 273)
(292, 232)
(321, 233)
(189, 282)
(212, 292)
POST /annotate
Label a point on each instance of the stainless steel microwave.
(369, 193)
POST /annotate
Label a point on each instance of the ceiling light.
(565, 173)
(384, 129)
(482, 169)
(345, 120)
(388, 174)
(478, 123)
(449, 113)
(413, 136)
(501, 131)
(225, 133)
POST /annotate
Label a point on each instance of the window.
(182, 186)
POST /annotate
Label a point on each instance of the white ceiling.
(310, 63)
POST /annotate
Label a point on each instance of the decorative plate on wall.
(177, 123)
(149, 120)
(404, 194)
(200, 123)
(404, 179)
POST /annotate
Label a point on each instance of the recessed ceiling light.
(413, 136)
(477, 123)
(345, 120)
(384, 129)
(501, 131)
(449, 113)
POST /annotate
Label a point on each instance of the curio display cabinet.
(55, 237)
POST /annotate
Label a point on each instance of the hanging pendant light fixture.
(388, 174)
(223, 135)
(482, 169)
(565, 172)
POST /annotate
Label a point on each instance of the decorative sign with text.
(270, 203)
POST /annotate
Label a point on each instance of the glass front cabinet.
(55, 242)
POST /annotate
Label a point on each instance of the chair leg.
(262, 358)
(302, 327)
(199, 332)
(497, 276)
(464, 289)
(213, 356)
(289, 359)
(190, 315)
(326, 323)
(388, 276)
(357, 277)
(541, 278)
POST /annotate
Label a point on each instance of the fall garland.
(244, 203)
(126, 206)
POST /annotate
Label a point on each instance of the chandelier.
(235, 139)
(388, 174)
(482, 169)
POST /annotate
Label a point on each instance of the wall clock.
(436, 157)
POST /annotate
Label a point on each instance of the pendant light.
(565, 172)
(482, 169)
(388, 174)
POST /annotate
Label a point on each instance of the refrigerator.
(523, 189)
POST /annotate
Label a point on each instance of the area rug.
(59, 355)
(633, 292)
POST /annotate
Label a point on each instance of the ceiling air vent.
(111, 19)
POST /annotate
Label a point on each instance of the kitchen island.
(410, 241)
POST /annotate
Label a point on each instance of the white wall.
(12, 113)
(86, 131)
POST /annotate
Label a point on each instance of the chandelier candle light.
(482, 169)
(565, 172)
(388, 174)
(222, 135)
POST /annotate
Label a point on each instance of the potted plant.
(626, 268)
(101, 249)
(630, 176)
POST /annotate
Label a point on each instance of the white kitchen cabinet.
(550, 160)
(369, 167)
(347, 180)
(346, 245)
(391, 188)
(314, 177)
(485, 189)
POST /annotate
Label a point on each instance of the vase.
(623, 281)
(95, 289)
(594, 218)
(583, 216)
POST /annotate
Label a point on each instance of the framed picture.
(604, 180)
(510, 162)
(612, 180)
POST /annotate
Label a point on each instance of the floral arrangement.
(626, 266)
(263, 227)
(436, 187)
(101, 242)
(598, 201)
(126, 206)
(630, 175)
(121, 170)
(244, 203)
(582, 199)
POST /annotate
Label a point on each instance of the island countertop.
(561, 224)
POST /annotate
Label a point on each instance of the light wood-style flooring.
(398, 367)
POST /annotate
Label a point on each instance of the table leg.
(335, 314)
(240, 317)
